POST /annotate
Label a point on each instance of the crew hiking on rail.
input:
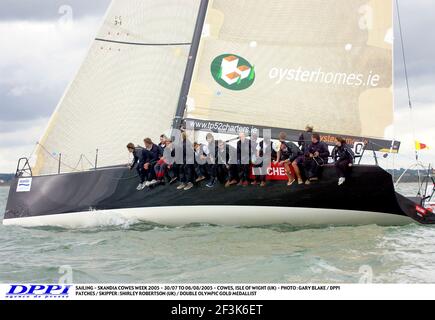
(214, 162)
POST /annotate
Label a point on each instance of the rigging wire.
(33, 152)
(402, 42)
(57, 159)
(80, 161)
(404, 56)
(134, 176)
(88, 161)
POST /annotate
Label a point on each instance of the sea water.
(145, 253)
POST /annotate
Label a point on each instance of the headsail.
(127, 88)
(288, 63)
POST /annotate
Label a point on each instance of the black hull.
(369, 189)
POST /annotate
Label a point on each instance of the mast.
(179, 113)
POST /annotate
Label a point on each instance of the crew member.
(316, 156)
(243, 159)
(137, 162)
(343, 157)
(287, 154)
(151, 155)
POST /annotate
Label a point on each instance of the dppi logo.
(233, 72)
(38, 291)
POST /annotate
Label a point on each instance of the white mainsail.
(288, 63)
(127, 88)
(270, 63)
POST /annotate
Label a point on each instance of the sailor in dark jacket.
(343, 159)
(254, 158)
(316, 156)
(287, 154)
(212, 163)
(243, 159)
(226, 164)
(172, 166)
(305, 138)
(150, 156)
(187, 168)
(265, 155)
(137, 153)
(201, 165)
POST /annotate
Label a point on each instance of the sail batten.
(145, 44)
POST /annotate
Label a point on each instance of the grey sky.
(39, 103)
(417, 20)
(33, 79)
(49, 9)
(418, 25)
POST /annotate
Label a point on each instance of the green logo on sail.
(233, 72)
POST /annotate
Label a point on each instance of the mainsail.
(127, 88)
(266, 63)
(289, 63)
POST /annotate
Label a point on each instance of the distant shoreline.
(410, 179)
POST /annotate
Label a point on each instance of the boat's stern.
(416, 209)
